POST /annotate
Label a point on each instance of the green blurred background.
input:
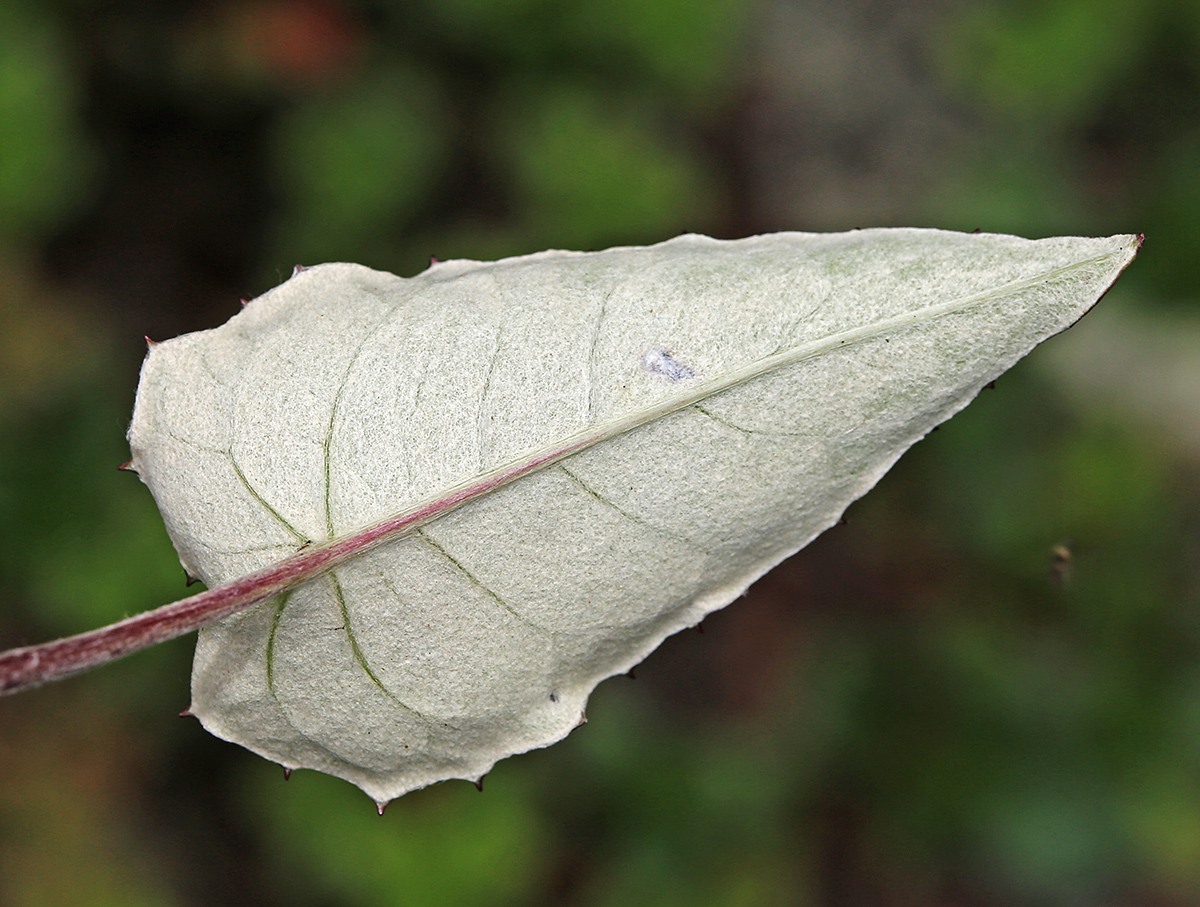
(931, 705)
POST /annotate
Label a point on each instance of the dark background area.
(928, 706)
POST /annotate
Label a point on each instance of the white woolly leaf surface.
(732, 399)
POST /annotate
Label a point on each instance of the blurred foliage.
(356, 164)
(984, 690)
(46, 158)
(591, 165)
(1088, 118)
(453, 847)
(1053, 63)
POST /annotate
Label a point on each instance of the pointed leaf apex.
(244, 301)
(296, 270)
(150, 344)
(127, 466)
(478, 782)
(287, 773)
(381, 805)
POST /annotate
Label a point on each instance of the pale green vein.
(196, 445)
(280, 604)
(487, 386)
(749, 432)
(257, 549)
(272, 635)
(211, 371)
(791, 327)
(591, 390)
(720, 420)
(327, 443)
(250, 489)
(633, 518)
(478, 584)
(391, 587)
(360, 658)
(237, 470)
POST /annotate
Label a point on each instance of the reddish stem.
(32, 666)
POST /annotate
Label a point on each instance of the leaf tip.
(127, 466)
(582, 718)
(296, 269)
(190, 580)
(150, 344)
(287, 773)
(381, 805)
(187, 713)
(478, 782)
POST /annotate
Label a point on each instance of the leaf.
(573, 456)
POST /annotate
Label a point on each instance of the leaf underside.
(680, 418)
